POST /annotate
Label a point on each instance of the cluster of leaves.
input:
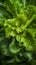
(17, 32)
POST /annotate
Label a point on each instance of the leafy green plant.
(17, 33)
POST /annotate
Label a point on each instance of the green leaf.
(13, 48)
(27, 44)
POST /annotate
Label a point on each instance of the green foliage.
(17, 32)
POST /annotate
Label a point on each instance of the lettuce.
(17, 32)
